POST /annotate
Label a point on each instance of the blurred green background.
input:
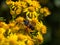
(52, 21)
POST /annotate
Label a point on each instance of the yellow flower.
(31, 13)
(28, 1)
(28, 37)
(40, 37)
(16, 28)
(17, 3)
(16, 8)
(23, 4)
(12, 42)
(42, 10)
(11, 24)
(2, 37)
(12, 12)
(5, 26)
(34, 20)
(24, 38)
(29, 42)
(18, 11)
(43, 29)
(31, 9)
(21, 43)
(19, 33)
(38, 25)
(1, 24)
(19, 19)
(45, 11)
(2, 30)
(9, 2)
(35, 4)
(21, 37)
(20, 4)
(12, 39)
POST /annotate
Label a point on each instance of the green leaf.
(2, 19)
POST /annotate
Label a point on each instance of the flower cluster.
(24, 27)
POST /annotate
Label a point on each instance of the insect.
(26, 22)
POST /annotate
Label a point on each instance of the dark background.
(52, 21)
